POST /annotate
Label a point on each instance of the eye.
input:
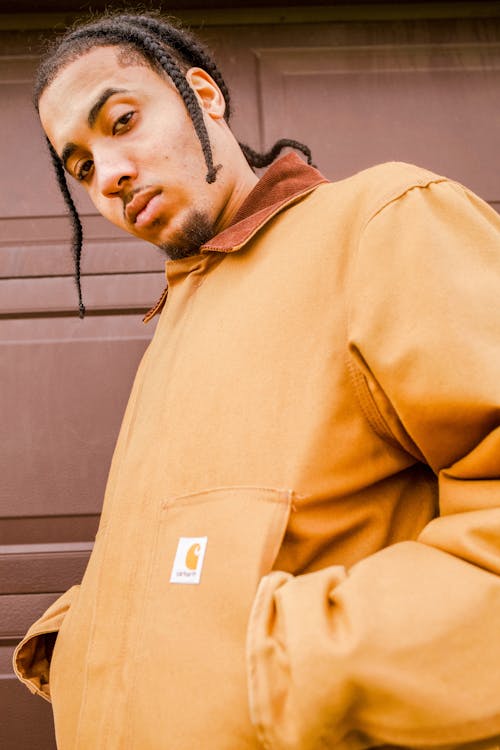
(122, 123)
(84, 169)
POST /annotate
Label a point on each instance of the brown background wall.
(359, 84)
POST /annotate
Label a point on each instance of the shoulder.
(400, 186)
(371, 189)
(387, 182)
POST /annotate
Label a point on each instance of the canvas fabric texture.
(313, 435)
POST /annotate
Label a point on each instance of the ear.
(207, 92)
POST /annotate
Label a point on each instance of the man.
(300, 539)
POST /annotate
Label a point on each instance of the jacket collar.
(288, 179)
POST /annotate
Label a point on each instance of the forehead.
(66, 102)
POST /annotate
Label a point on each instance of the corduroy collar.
(286, 180)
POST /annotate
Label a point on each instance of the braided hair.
(167, 49)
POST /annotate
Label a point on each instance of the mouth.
(141, 209)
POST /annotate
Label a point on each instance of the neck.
(243, 185)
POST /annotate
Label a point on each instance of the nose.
(114, 171)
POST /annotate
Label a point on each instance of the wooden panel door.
(429, 103)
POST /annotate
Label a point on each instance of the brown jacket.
(303, 504)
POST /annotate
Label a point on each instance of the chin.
(195, 231)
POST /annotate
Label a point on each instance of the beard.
(196, 230)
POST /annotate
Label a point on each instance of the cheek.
(181, 152)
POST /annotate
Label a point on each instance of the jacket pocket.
(32, 657)
(211, 550)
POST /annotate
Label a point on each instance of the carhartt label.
(188, 561)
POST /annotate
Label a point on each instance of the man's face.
(124, 132)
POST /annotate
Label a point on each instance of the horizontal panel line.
(38, 594)
(35, 217)
(80, 340)
(49, 516)
(71, 313)
(382, 47)
(14, 639)
(23, 56)
(50, 548)
(64, 243)
(84, 275)
(52, 591)
(408, 70)
(257, 16)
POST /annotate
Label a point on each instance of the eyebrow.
(99, 104)
(92, 116)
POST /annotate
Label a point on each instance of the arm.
(404, 648)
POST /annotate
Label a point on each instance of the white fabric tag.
(189, 558)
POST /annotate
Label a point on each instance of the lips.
(139, 203)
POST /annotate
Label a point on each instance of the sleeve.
(404, 648)
(31, 660)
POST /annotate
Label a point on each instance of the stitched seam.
(364, 396)
(160, 304)
(200, 498)
(396, 195)
(368, 406)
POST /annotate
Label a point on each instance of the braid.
(255, 159)
(75, 220)
(169, 65)
(190, 49)
(156, 53)
(169, 50)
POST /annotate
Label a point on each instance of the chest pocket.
(211, 550)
